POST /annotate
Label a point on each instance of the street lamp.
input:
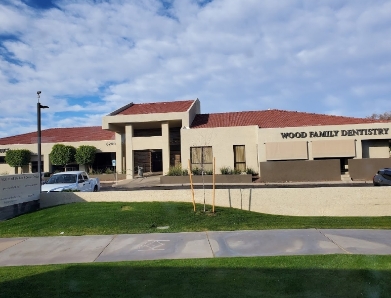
(39, 107)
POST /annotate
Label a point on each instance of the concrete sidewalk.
(112, 248)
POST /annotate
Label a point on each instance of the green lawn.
(286, 276)
(129, 218)
(293, 276)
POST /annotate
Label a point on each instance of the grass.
(132, 218)
(284, 276)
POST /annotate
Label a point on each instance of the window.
(80, 178)
(201, 157)
(240, 157)
(2, 159)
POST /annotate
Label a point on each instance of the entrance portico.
(153, 128)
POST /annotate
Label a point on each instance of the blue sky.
(91, 57)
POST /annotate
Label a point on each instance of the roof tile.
(158, 107)
(57, 135)
(273, 119)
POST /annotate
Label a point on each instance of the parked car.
(71, 181)
(383, 177)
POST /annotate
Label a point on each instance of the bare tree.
(384, 116)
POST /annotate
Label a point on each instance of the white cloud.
(90, 58)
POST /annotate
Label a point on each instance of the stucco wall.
(300, 170)
(327, 201)
(366, 168)
(222, 140)
(275, 135)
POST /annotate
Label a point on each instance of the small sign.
(113, 162)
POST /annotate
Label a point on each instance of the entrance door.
(157, 161)
(344, 165)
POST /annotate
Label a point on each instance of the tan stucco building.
(156, 136)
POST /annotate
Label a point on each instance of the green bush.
(62, 155)
(85, 155)
(109, 171)
(229, 171)
(250, 171)
(177, 171)
(18, 157)
(196, 171)
(226, 171)
(237, 172)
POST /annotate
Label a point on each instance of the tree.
(18, 158)
(384, 116)
(62, 155)
(85, 155)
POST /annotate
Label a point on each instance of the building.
(279, 145)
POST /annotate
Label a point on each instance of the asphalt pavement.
(131, 247)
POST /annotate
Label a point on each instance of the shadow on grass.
(234, 277)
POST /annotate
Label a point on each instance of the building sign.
(4, 150)
(335, 133)
(16, 189)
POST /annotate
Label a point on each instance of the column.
(309, 146)
(118, 152)
(46, 163)
(358, 145)
(129, 152)
(166, 147)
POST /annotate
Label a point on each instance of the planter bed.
(207, 179)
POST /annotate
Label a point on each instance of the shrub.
(62, 155)
(226, 171)
(177, 171)
(237, 172)
(85, 155)
(196, 171)
(251, 172)
(109, 171)
(96, 172)
(18, 157)
(208, 172)
(229, 171)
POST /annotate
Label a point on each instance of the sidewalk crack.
(105, 248)
(343, 249)
(210, 245)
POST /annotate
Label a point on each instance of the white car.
(71, 181)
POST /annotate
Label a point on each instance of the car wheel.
(376, 184)
(95, 188)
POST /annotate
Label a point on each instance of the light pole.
(39, 107)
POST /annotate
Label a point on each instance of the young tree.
(62, 155)
(85, 155)
(18, 158)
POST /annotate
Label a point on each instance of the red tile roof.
(158, 107)
(272, 119)
(58, 135)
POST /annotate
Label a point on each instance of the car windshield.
(62, 178)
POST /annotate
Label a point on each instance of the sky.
(89, 58)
